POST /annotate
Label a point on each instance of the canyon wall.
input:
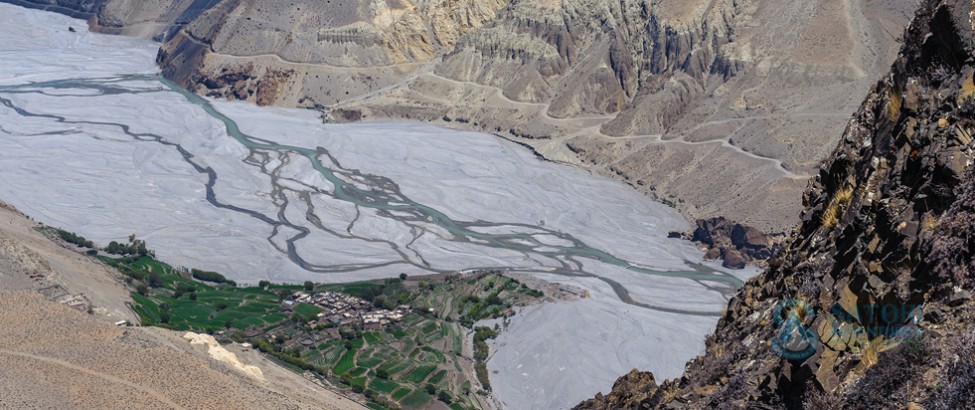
(869, 304)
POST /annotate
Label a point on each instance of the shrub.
(893, 105)
(841, 199)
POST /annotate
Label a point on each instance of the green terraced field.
(348, 360)
(416, 400)
(393, 367)
(383, 386)
(419, 374)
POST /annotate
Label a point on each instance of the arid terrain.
(95, 143)
(723, 108)
(718, 107)
(58, 355)
(878, 279)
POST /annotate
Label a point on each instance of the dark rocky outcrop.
(878, 276)
(736, 244)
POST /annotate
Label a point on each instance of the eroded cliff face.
(869, 305)
(718, 107)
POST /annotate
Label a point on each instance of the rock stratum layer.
(718, 107)
(889, 225)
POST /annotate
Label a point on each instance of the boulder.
(733, 259)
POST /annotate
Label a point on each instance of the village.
(344, 310)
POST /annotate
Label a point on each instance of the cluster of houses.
(345, 310)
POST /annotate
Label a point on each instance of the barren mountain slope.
(870, 303)
(721, 107)
(56, 354)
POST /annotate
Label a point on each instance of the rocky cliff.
(717, 107)
(869, 304)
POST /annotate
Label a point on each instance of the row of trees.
(209, 276)
(74, 238)
(134, 247)
(481, 350)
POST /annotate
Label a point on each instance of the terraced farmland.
(418, 362)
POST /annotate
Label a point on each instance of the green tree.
(402, 276)
(155, 281)
(309, 285)
(264, 284)
(444, 396)
(431, 389)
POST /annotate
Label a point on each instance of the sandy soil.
(53, 264)
(57, 356)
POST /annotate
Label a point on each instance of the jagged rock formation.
(876, 282)
(718, 107)
(734, 243)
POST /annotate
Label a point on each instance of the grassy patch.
(415, 400)
(438, 377)
(419, 374)
(383, 386)
(358, 371)
(307, 310)
(371, 361)
(346, 363)
(372, 337)
(402, 392)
